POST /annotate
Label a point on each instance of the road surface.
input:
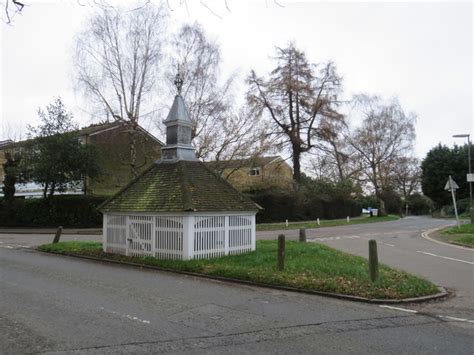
(53, 304)
(400, 245)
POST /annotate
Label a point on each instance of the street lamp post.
(471, 207)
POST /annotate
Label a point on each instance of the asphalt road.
(54, 304)
(400, 245)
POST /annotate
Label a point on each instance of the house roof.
(182, 186)
(98, 127)
(5, 143)
(94, 129)
(87, 131)
(239, 163)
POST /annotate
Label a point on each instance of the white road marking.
(128, 316)
(15, 246)
(457, 319)
(445, 257)
(400, 309)
(439, 316)
(390, 245)
(334, 238)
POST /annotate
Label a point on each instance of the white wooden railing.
(179, 237)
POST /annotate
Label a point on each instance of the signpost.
(452, 186)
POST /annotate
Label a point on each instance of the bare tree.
(11, 8)
(296, 97)
(334, 156)
(221, 131)
(406, 175)
(117, 59)
(387, 134)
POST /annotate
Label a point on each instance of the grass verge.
(324, 223)
(308, 266)
(462, 236)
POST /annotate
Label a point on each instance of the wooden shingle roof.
(182, 186)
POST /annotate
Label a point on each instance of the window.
(254, 172)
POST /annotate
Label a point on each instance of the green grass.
(324, 223)
(308, 266)
(463, 235)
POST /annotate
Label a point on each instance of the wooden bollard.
(281, 252)
(373, 261)
(57, 235)
(303, 235)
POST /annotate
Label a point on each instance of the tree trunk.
(52, 189)
(296, 165)
(45, 190)
(133, 149)
(378, 195)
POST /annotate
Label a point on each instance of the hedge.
(280, 206)
(81, 211)
(67, 210)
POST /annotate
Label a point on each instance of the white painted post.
(286, 223)
(318, 222)
(104, 233)
(226, 235)
(253, 236)
(188, 237)
(348, 219)
(153, 236)
(127, 235)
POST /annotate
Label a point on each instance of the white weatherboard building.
(178, 208)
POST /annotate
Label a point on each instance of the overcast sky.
(420, 52)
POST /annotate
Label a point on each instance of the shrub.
(66, 210)
(393, 202)
(462, 206)
(419, 204)
(280, 205)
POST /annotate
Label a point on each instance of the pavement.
(53, 304)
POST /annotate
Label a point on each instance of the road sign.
(470, 177)
(451, 184)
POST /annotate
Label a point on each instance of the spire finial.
(178, 81)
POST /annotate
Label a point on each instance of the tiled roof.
(86, 131)
(99, 127)
(6, 143)
(239, 163)
(183, 186)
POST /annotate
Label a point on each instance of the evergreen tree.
(440, 162)
(54, 156)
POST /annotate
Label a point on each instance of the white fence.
(179, 237)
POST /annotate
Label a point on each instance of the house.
(111, 143)
(255, 173)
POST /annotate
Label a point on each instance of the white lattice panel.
(240, 234)
(209, 236)
(179, 237)
(115, 234)
(140, 235)
(169, 237)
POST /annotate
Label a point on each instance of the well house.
(178, 208)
